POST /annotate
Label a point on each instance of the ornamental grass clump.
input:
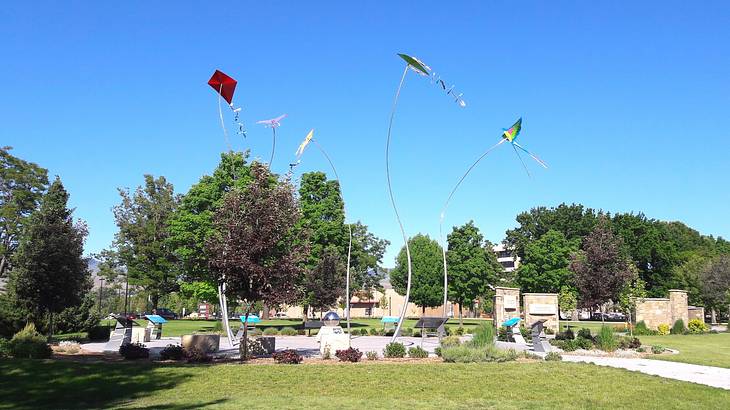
(606, 339)
(417, 352)
(483, 336)
(372, 355)
(288, 331)
(270, 331)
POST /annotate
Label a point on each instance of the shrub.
(640, 349)
(663, 329)
(68, 346)
(503, 335)
(134, 351)
(585, 333)
(100, 333)
(658, 349)
(553, 357)
(394, 349)
(270, 331)
(417, 352)
(469, 330)
(326, 353)
(566, 335)
(4, 348)
(678, 327)
(471, 354)
(525, 332)
(437, 350)
(697, 326)
(449, 331)
(29, 344)
(373, 331)
(459, 331)
(417, 332)
(450, 341)
(629, 343)
(371, 355)
(606, 340)
(620, 328)
(408, 331)
(529, 355)
(550, 331)
(642, 330)
(172, 352)
(349, 355)
(583, 343)
(288, 331)
(217, 327)
(569, 345)
(483, 335)
(195, 355)
(288, 356)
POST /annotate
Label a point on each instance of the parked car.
(280, 315)
(166, 313)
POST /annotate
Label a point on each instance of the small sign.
(543, 309)
(510, 302)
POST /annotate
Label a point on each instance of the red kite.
(223, 84)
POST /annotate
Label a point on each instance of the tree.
(687, 276)
(199, 291)
(367, 255)
(545, 267)
(601, 267)
(427, 287)
(573, 221)
(568, 301)
(323, 223)
(633, 293)
(142, 240)
(716, 283)
(471, 266)
(326, 282)
(253, 249)
(49, 272)
(22, 185)
(191, 224)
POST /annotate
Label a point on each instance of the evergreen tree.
(49, 271)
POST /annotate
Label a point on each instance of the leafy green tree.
(142, 240)
(22, 185)
(545, 266)
(323, 221)
(199, 291)
(573, 221)
(191, 224)
(633, 293)
(427, 286)
(49, 271)
(365, 259)
(687, 276)
(601, 268)
(568, 301)
(716, 283)
(471, 266)
(253, 248)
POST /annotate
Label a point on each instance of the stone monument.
(331, 336)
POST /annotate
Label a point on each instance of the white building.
(506, 257)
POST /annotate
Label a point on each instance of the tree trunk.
(265, 313)
(2, 266)
(244, 338)
(461, 317)
(713, 319)
(50, 326)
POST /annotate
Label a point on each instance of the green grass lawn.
(707, 349)
(26, 384)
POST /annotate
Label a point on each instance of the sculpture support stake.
(395, 208)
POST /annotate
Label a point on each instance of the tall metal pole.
(101, 289)
(395, 208)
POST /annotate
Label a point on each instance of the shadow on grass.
(34, 384)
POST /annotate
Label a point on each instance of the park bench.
(432, 323)
(312, 324)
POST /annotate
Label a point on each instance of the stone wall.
(541, 306)
(506, 304)
(696, 312)
(657, 311)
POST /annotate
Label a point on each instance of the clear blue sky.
(628, 103)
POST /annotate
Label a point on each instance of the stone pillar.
(678, 306)
(542, 306)
(506, 304)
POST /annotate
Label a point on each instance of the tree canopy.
(427, 286)
(545, 266)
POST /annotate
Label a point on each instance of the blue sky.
(628, 103)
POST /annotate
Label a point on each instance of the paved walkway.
(707, 375)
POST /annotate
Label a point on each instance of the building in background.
(506, 257)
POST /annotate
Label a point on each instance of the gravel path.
(707, 375)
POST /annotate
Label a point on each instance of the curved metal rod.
(273, 147)
(349, 228)
(395, 208)
(443, 215)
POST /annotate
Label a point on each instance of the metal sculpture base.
(122, 335)
(539, 343)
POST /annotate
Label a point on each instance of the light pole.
(101, 290)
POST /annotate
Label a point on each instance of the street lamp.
(101, 290)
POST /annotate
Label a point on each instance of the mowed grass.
(28, 384)
(707, 349)
(184, 327)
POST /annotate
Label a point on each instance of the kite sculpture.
(508, 135)
(273, 123)
(422, 69)
(300, 151)
(225, 86)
